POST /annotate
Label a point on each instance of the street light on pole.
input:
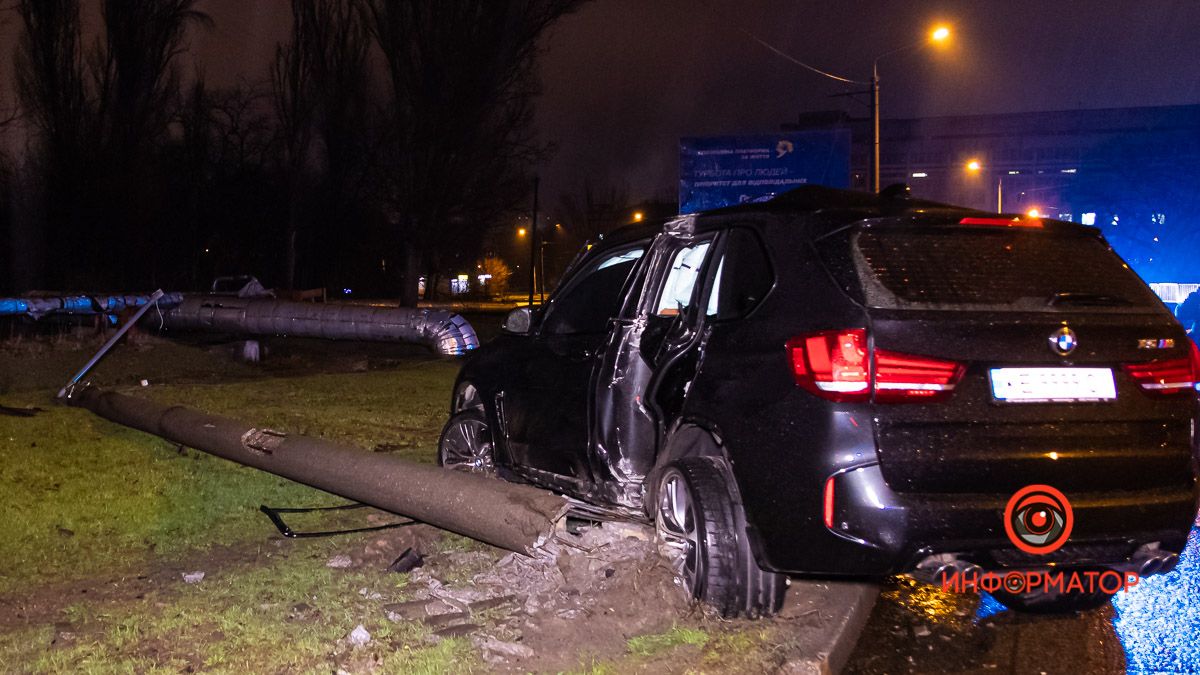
(938, 35)
(974, 166)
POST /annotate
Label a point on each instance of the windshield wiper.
(1086, 299)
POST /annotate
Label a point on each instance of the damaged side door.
(649, 356)
(546, 418)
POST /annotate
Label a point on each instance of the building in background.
(1132, 172)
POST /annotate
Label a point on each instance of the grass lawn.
(102, 522)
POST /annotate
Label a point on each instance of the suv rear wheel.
(701, 527)
(466, 444)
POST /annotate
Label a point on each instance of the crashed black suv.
(838, 383)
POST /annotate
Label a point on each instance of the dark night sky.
(624, 79)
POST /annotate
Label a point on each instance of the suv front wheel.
(701, 528)
(466, 444)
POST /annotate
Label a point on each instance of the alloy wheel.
(467, 446)
(677, 529)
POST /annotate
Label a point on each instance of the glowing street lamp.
(521, 232)
(638, 216)
(937, 35)
(974, 166)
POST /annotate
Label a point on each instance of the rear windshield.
(994, 270)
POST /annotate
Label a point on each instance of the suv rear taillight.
(835, 365)
(1167, 377)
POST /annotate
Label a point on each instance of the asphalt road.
(1155, 628)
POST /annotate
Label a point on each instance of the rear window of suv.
(975, 268)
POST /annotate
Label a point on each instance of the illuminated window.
(1160, 218)
(920, 174)
(1088, 219)
(685, 270)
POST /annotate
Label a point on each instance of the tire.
(466, 444)
(702, 530)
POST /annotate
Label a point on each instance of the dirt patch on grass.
(600, 602)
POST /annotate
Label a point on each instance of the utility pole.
(533, 243)
(875, 124)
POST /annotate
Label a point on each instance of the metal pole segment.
(111, 341)
(533, 245)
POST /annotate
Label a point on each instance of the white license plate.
(1033, 385)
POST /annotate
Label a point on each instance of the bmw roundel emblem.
(1063, 341)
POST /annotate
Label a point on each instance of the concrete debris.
(340, 562)
(605, 574)
(359, 636)
(406, 611)
(454, 631)
(503, 649)
(193, 577)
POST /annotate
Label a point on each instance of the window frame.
(721, 251)
(586, 268)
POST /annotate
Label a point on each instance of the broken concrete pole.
(514, 517)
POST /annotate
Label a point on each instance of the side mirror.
(518, 321)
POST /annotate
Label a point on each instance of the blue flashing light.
(1157, 621)
(988, 606)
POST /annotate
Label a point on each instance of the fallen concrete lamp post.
(443, 331)
(514, 517)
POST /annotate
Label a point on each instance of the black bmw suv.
(838, 383)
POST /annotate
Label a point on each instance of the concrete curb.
(821, 623)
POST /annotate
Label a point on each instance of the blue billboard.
(717, 171)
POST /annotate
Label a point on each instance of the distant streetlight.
(521, 232)
(974, 166)
(638, 216)
(1034, 213)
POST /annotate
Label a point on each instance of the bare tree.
(100, 122)
(294, 89)
(135, 70)
(320, 85)
(137, 85)
(52, 93)
(462, 83)
(595, 211)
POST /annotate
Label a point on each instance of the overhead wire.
(782, 54)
